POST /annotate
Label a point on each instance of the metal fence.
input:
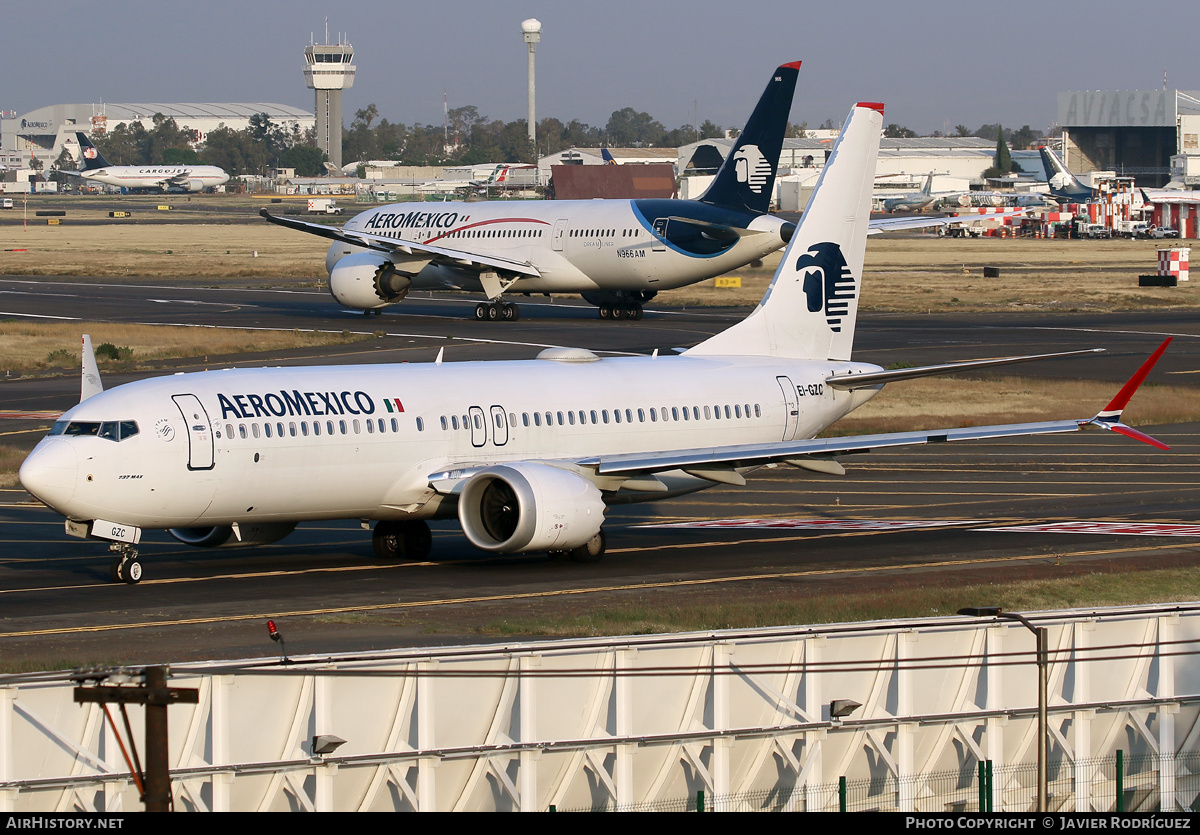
(1117, 784)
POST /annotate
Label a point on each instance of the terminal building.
(40, 134)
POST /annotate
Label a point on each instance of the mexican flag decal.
(394, 405)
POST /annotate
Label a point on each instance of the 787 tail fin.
(746, 180)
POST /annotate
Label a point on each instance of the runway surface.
(329, 595)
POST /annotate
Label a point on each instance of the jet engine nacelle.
(529, 507)
(223, 536)
(367, 280)
(195, 185)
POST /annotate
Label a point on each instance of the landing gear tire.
(635, 313)
(125, 567)
(481, 312)
(605, 311)
(402, 541)
(590, 551)
(510, 312)
(493, 312)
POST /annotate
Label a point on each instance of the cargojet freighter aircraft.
(145, 177)
(618, 254)
(527, 454)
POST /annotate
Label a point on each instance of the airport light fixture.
(1043, 664)
(531, 30)
(841, 708)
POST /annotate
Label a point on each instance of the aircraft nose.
(51, 473)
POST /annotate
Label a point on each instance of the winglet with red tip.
(794, 65)
(1110, 417)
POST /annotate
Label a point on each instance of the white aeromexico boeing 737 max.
(526, 454)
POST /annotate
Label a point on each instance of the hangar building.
(1132, 132)
(41, 133)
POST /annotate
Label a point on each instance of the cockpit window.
(113, 430)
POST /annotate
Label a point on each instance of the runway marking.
(42, 316)
(1105, 330)
(1117, 528)
(497, 598)
(24, 431)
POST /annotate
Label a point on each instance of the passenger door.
(478, 426)
(791, 408)
(499, 426)
(199, 431)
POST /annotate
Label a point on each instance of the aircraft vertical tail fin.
(809, 310)
(1062, 182)
(90, 383)
(746, 179)
(90, 156)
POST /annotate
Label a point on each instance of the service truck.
(323, 206)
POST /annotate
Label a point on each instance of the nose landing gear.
(125, 567)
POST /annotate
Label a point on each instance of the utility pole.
(147, 688)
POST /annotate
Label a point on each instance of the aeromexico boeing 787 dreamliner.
(526, 454)
(617, 254)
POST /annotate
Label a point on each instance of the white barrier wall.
(616, 723)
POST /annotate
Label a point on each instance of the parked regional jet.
(527, 454)
(617, 254)
(913, 201)
(150, 177)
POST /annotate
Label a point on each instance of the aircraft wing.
(720, 464)
(895, 224)
(382, 243)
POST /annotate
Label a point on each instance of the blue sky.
(934, 64)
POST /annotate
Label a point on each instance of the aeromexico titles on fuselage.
(296, 403)
(653, 215)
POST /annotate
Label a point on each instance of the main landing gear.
(497, 311)
(125, 567)
(407, 541)
(621, 311)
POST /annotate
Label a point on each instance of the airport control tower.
(329, 69)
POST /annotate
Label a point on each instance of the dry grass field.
(215, 237)
(27, 346)
(924, 273)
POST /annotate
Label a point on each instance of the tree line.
(467, 137)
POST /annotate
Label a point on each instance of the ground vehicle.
(6, 203)
(1094, 230)
(323, 206)
(1161, 232)
(1133, 228)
